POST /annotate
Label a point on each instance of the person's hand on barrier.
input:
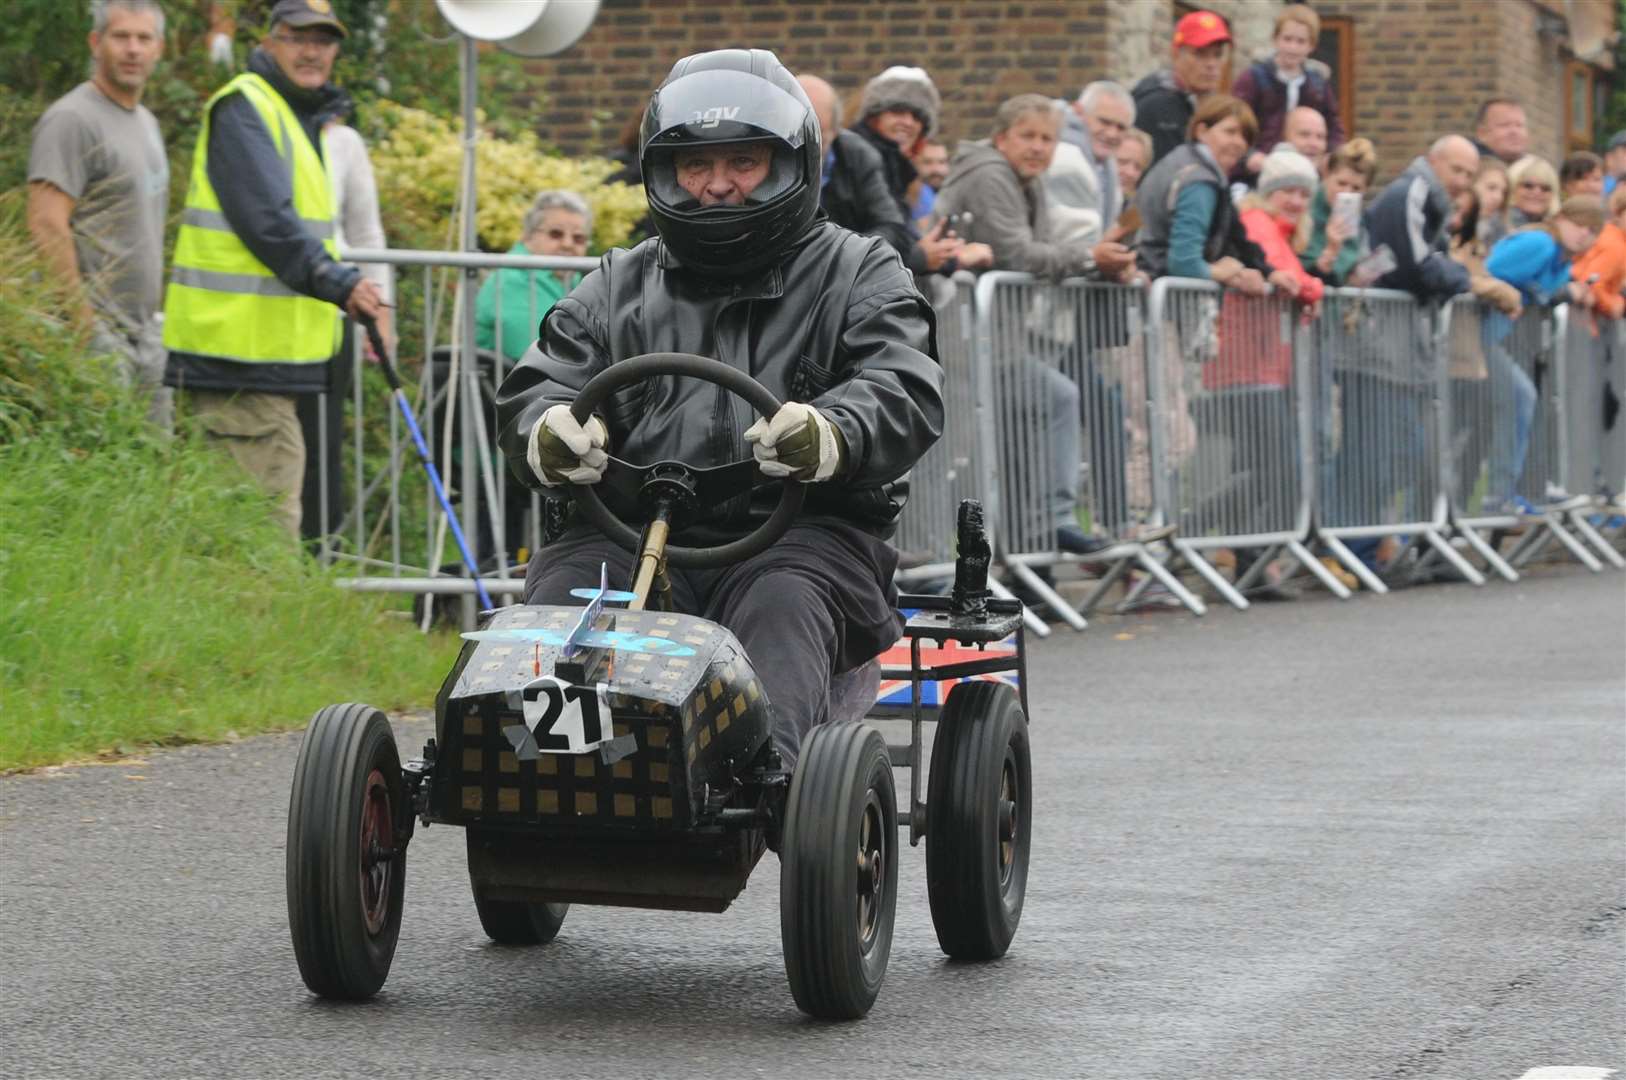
(799, 442)
(364, 302)
(562, 451)
(1580, 294)
(1251, 282)
(1285, 280)
(975, 257)
(1224, 270)
(939, 245)
(1112, 259)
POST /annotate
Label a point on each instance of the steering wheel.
(681, 490)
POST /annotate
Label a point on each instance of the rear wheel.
(513, 922)
(346, 861)
(838, 880)
(979, 817)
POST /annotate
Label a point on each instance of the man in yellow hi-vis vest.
(251, 315)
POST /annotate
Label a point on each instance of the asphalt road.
(1378, 839)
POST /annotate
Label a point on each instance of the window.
(1336, 49)
(1578, 99)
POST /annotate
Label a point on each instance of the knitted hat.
(902, 88)
(1285, 168)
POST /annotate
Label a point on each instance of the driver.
(745, 269)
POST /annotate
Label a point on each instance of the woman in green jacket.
(558, 223)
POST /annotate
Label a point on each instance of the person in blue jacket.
(1536, 261)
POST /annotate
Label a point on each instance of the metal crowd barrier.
(393, 534)
(1241, 378)
(1064, 430)
(1507, 457)
(1588, 444)
(1177, 421)
(1377, 432)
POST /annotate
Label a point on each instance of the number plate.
(566, 719)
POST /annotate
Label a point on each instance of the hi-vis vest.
(222, 302)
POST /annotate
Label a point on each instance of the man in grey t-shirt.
(98, 193)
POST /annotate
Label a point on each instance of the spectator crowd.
(1255, 187)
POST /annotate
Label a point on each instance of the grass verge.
(146, 594)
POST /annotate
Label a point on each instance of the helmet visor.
(706, 124)
(717, 105)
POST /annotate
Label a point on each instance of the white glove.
(799, 441)
(561, 451)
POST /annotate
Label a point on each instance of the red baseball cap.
(1200, 29)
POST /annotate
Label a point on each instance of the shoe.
(1151, 534)
(1341, 575)
(1075, 541)
(1156, 597)
(1514, 506)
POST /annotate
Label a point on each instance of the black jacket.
(1412, 216)
(837, 323)
(857, 197)
(1163, 111)
(899, 172)
(256, 196)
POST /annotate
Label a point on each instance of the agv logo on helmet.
(712, 117)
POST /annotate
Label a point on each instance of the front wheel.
(346, 861)
(513, 922)
(838, 878)
(979, 816)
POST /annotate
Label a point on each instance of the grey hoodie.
(1008, 214)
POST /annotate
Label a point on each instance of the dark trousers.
(329, 461)
(817, 603)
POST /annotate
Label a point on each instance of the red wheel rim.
(377, 852)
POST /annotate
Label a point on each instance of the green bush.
(146, 593)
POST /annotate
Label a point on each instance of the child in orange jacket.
(1607, 259)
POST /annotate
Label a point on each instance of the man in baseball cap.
(305, 14)
(1166, 99)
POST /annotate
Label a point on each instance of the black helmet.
(718, 98)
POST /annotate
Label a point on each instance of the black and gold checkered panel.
(696, 719)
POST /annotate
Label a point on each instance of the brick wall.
(1421, 66)
(978, 53)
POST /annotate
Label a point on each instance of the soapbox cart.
(615, 755)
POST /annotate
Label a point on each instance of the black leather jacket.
(837, 323)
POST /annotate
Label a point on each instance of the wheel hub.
(377, 849)
(871, 872)
(1009, 821)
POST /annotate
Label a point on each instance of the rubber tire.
(509, 922)
(980, 728)
(832, 976)
(338, 957)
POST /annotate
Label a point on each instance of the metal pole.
(465, 332)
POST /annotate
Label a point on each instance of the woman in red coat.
(1249, 380)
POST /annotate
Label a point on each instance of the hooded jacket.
(1261, 86)
(836, 322)
(1163, 110)
(1008, 214)
(1411, 216)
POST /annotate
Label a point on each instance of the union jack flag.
(894, 693)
